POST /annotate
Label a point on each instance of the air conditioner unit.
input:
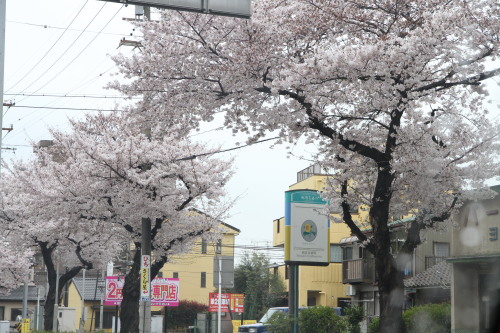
(351, 291)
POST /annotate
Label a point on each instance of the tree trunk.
(50, 301)
(389, 274)
(129, 309)
(48, 313)
(391, 290)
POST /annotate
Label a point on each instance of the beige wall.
(478, 232)
(190, 265)
(8, 306)
(426, 249)
(323, 283)
(465, 298)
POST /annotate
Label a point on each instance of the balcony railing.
(358, 271)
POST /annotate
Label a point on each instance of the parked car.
(261, 327)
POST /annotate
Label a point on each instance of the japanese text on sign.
(145, 278)
(164, 291)
(236, 302)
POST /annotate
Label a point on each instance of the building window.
(441, 250)
(14, 313)
(218, 249)
(335, 253)
(203, 246)
(203, 279)
(347, 253)
(277, 226)
(2, 313)
(176, 275)
(107, 319)
(287, 272)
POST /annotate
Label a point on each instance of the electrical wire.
(67, 108)
(85, 48)
(81, 52)
(50, 49)
(71, 96)
(45, 26)
(64, 53)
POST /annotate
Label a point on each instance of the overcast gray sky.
(57, 50)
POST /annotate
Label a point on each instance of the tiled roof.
(438, 275)
(91, 293)
(17, 294)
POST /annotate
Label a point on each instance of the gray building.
(475, 256)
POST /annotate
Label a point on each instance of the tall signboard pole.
(307, 240)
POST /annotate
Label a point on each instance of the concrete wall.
(465, 297)
(478, 232)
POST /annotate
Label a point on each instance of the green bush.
(430, 318)
(354, 315)
(374, 325)
(279, 323)
(321, 319)
(184, 315)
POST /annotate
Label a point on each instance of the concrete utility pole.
(56, 301)
(25, 296)
(219, 312)
(145, 305)
(101, 306)
(3, 11)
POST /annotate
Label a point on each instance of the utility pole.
(219, 312)
(101, 306)
(25, 295)
(56, 301)
(145, 303)
(3, 10)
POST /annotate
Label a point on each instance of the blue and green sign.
(307, 229)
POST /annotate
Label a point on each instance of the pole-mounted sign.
(145, 278)
(307, 229)
(235, 8)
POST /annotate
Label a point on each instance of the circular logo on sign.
(309, 230)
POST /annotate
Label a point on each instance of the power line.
(84, 49)
(65, 51)
(192, 157)
(61, 95)
(45, 26)
(67, 108)
(50, 49)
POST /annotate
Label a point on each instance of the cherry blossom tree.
(34, 213)
(110, 172)
(391, 91)
(15, 260)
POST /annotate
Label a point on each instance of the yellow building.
(194, 270)
(318, 285)
(92, 290)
